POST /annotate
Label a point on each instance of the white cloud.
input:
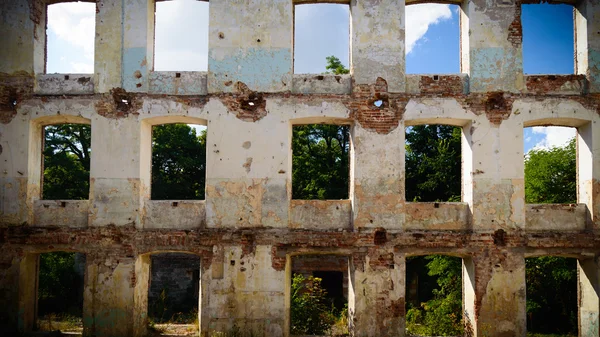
(419, 18)
(75, 24)
(553, 136)
(82, 68)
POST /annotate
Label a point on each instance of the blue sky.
(432, 42)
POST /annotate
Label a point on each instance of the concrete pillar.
(588, 175)
(378, 175)
(469, 296)
(108, 46)
(115, 188)
(499, 294)
(589, 297)
(250, 169)
(18, 293)
(138, 44)
(497, 196)
(494, 38)
(113, 286)
(250, 42)
(377, 42)
(587, 42)
(23, 37)
(244, 291)
(376, 294)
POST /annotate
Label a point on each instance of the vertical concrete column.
(138, 44)
(497, 196)
(499, 294)
(246, 182)
(18, 293)
(494, 39)
(588, 167)
(115, 188)
(19, 182)
(587, 42)
(109, 307)
(23, 28)
(377, 176)
(241, 289)
(250, 42)
(377, 42)
(108, 46)
(589, 297)
(376, 294)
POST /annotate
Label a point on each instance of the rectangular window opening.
(433, 163)
(551, 289)
(548, 39)
(70, 34)
(66, 165)
(434, 296)
(320, 162)
(550, 165)
(319, 295)
(60, 292)
(432, 39)
(173, 294)
(181, 36)
(178, 162)
(321, 38)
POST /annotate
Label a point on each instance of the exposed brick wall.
(441, 85)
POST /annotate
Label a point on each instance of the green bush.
(311, 312)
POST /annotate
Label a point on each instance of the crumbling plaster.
(249, 228)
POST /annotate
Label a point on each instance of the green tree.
(433, 163)
(440, 309)
(178, 162)
(335, 66)
(66, 162)
(550, 175)
(59, 286)
(309, 310)
(320, 166)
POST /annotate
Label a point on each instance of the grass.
(61, 322)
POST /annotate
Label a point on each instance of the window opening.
(319, 295)
(433, 163)
(321, 31)
(173, 294)
(551, 288)
(550, 165)
(178, 162)
(432, 39)
(548, 39)
(70, 34)
(434, 296)
(177, 21)
(66, 170)
(320, 161)
(60, 292)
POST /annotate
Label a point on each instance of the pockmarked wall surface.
(248, 229)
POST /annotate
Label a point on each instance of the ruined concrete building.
(249, 229)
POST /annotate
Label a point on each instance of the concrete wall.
(248, 228)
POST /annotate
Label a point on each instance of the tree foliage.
(66, 162)
(320, 161)
(551, 175)
(335, 66)
(433, 163)
(178, 162)
(440, 312)
(311, 313)
(60, 287)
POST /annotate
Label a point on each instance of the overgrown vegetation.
(438, 307)
(178, 162)
(320, 161)
(60, 292)
(66, 162)
(433, 163)
(551, 175)
(312, 312)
